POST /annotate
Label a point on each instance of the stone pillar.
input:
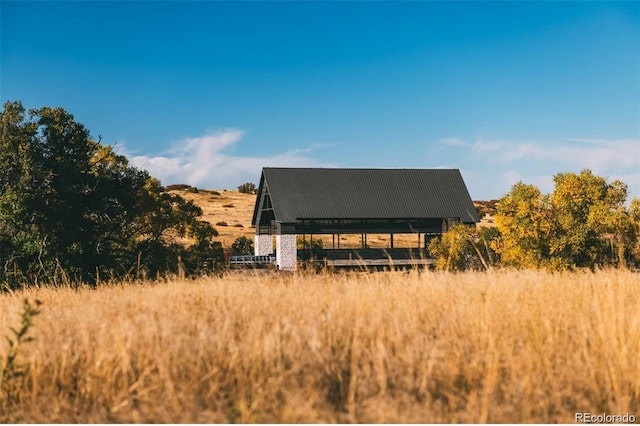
(263, 244)
(286, 252)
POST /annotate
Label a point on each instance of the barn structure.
(321, 201)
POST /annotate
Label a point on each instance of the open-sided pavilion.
(321, 201)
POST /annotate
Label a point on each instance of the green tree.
(464, 247)
(575, 241)
(584, 222)
(242, 246)
(613, 224)
(72, 207)
(634, 235)
(525, 220)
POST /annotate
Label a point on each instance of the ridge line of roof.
(355, 168)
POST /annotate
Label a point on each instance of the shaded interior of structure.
(360, 238)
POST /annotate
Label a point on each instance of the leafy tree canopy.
(72, 207)
(242, 246)
(464, 247)
(585, 222)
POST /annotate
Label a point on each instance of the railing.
(252, 260)
(368, 253)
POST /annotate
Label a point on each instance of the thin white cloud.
(203, 162)
(536, 162)
(543, 182)
(601, 156)
(310, 148)
(604, 154)
(454, 142)
(511, 177)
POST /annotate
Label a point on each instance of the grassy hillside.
(230, 212)
(387, 347)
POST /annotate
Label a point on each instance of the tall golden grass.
(382, 347)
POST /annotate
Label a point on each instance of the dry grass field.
(428, 347)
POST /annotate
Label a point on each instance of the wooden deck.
(379, 262)
(345, 258)
(370, 257)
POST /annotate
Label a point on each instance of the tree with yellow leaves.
(583, 223)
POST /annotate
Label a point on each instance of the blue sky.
(207, 93)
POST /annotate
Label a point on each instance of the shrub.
(247, 188)
(463, 248)
(12, 371)
(177, 187)
(242, 246)
(486, 207)
(303, 243)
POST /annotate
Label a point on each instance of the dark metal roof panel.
(321, 193)
(257, 206)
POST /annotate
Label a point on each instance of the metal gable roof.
(322, 193)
